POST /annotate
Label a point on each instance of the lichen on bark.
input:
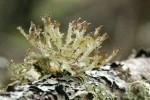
(71, 67)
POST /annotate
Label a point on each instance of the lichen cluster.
(71, 66)
(73, 52)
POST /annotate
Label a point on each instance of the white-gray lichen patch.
(105, 82)
(88, 87)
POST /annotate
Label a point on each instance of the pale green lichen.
(73, 52)
(138, 90)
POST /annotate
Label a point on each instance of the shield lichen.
(73, 52)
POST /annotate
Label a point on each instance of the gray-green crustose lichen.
(73, 52)
(138, 90)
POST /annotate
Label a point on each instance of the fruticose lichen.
(74, 70)
(73, 52)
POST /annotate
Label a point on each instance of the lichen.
(138, 90)
(73, 52)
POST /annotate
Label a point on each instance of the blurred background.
(126, 21)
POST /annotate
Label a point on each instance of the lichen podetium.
(73, 52)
